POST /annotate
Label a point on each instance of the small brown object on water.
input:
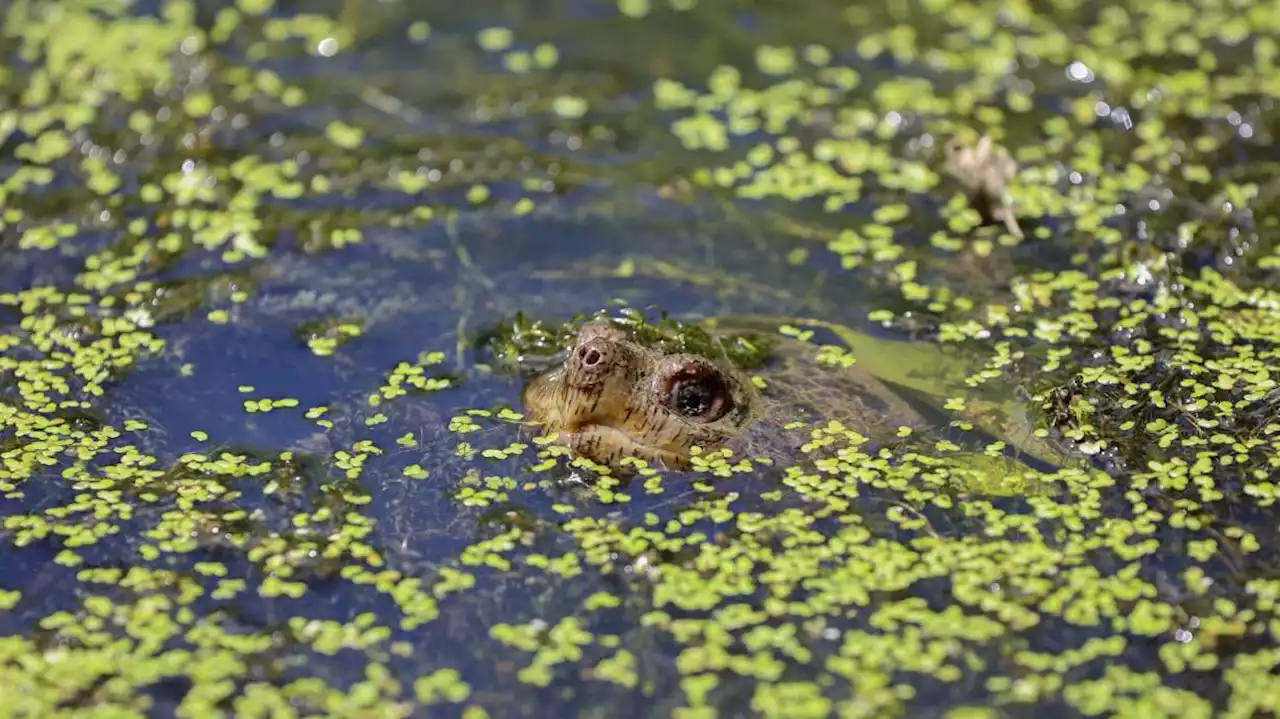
(986, 170)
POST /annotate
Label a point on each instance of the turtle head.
(613, 398)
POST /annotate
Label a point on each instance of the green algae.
(420, 549)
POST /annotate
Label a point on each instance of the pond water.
(258, 459)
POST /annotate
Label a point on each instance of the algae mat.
(259, 457)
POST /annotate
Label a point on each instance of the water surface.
(234, 232)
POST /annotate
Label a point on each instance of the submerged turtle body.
(405, 297)
(617, 396)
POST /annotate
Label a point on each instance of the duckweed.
(273, 299)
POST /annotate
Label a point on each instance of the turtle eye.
(697, 392)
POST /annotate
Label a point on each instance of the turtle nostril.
(589, 357)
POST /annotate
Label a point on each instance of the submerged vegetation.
(273, 275)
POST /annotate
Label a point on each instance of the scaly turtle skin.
(616, 396)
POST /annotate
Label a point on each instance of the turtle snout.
(590, 362)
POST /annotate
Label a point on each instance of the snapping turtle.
(623, 391)
(387, 289)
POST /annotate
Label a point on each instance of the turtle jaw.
(609, 445)
(586, 421)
